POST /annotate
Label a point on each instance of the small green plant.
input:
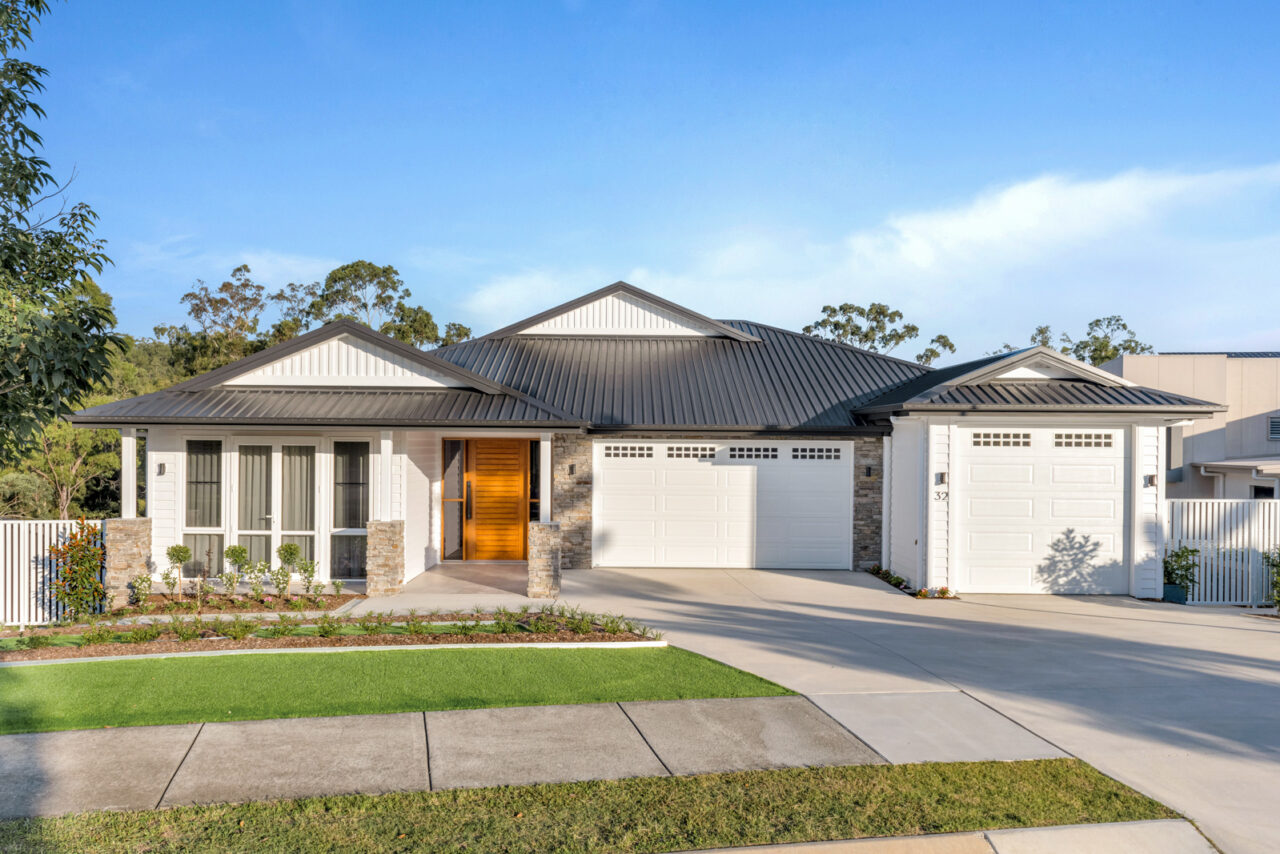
(371, 623)
(143, 633)
(466, 628)
(285, 626)
(280, 576)
(140, 589)
(253, 574)
(611, 624)
(237, 556)
(337, 584)
(506, 626)
(415, 625)
(34, 641)
(1271, 560)
(98, 633)
(328, 627)
(541, 625)
(187, 630)
(580, 625)
(307, 572)
(230, 580)
(239, 628)
(922, 593)
(179, 556)
(1180, 567)
(78, 563)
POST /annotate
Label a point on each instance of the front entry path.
(59, 772)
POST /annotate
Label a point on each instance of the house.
(623, 430)
(1234, 454)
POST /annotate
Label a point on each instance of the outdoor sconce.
(1148, 480)
(867, 472)
(160, 469)
(573, 469)
(941, 478)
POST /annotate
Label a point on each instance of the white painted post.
(128, 472)
(384, 476)
(544, 478)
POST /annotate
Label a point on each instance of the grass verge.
(638, 815)
(91, 694)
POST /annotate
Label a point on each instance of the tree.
(1106, 338)
(874, 328)
(56, 328)
(295, 303)
(414, 325)
(228, 320)
(455, 332)
(360, 291)
(69, 461)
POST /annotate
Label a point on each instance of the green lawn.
(640, 815)
(91, 694)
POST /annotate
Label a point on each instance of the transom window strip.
(1002, 440)
(628, 451)
(691, 452)
(1082, 440)
(753, 453)
(811, 452)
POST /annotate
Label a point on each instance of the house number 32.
(940, 495)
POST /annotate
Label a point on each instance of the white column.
(544, 478)
(128, 472)
(384, 476)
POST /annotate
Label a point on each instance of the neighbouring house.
(1234, 454)
(623, 430)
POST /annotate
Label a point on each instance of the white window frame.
(277, 532)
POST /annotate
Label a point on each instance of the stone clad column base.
(127, 547)
(384, 558)
(868, 500)
(544, 560)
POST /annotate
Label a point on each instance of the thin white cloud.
(1188, 258)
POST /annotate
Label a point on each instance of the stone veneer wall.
(384, 557)
(544, 560)
(571, 497)
(868, 500)
(127, 544)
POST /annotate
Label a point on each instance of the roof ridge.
(862, 350)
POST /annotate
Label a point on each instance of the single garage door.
(776, 505)
(1042, 510)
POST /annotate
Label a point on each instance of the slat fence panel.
(27, 572)
(1231, 536)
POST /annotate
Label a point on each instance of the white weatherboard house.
(622, 430)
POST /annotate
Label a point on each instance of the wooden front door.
(497, 499)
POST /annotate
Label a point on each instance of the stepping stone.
(707, 736)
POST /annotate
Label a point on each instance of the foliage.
(371, 623)
(179, 555)
(328, 626)
(230, 580)
(285, 626)
(1105, 339)
(237, 556)
(23, 495)
(1271, 560)
(187, 630)
(337, 584)
(34, 641)
(239, 628)
(289, 554)
(98, 634)
(254, 573)
(874, 328)
(228, 324)
(56, 336)
(360, 291)
(307, 572)
(143, 633)
(78, 563)
(1180, 567)
(280, 576)
(141, 588)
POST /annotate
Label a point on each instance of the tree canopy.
(1104, 339)
(874, 328)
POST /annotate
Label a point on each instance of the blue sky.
(984, 167)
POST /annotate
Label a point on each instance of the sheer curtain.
(298, 491)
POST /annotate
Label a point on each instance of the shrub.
(580, 625)
(540, 625)
(466, 628)
(239, 628)
(141, 589)
(187, 630)
(237, 556)
(337, 584)
(945, 593)
(97, 634)
(143, 633)
(307, 573)
(371, 623)
(34, 641)
(289, 554)
(280, 576)
(284, 627)
(415, 625)
(1271, 560)
(922, 593)
(178, 555)
(327, 626)
(506, 626)
(611, 625)
(78, 563)
(253, 574)
(1180, 567)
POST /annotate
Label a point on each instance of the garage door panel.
(1052, 520)
(714, 511)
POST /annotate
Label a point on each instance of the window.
(453, 495)
(1263, 492)
(204, 507)
(691, 452)
(1002, 440)
(815, 453)
(1273, 428)
(1082, 440)
(753, 453)
(628, 451)
(350, 508)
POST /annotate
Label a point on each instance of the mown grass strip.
(638, 815)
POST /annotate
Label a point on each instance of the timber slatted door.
(497, 501)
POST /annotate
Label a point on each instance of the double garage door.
(762, 504)
(1041, 510)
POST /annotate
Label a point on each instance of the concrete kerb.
(650, 644)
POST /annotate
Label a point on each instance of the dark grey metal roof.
(1057, 395)
(782, 381)
(1230, 354)
(323, 406)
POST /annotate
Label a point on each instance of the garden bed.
(159, 603)
(556, 625)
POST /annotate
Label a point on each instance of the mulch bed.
(113, 650)
(220, 604)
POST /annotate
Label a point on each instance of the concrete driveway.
(1181, 703)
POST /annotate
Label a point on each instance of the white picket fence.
(1231, 535)
(26, 571)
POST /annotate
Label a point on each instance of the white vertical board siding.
(164, 447)
(617, 314)
(397, 476)
(937, 500)
(344, 361)
(906, 498)
(421, 476)
(1146, 580)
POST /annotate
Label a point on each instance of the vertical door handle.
(468, 500)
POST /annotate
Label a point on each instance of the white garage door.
(1042, 510)
(776, 505)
